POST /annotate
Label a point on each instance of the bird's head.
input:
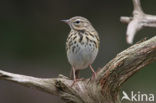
(78, 23)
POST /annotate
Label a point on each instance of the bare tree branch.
(138, 21)
(46, 85)
(126, 63)
(105, 88)
(137, 6)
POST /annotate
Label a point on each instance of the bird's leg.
(94, 73)
(74, 76)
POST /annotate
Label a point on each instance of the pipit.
(82, 45)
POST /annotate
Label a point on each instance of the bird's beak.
(65, 21)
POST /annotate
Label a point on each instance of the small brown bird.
(82, 45)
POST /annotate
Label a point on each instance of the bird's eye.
(77, 21)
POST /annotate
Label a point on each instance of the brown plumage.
(82, 45)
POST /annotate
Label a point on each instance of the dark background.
(32, 42)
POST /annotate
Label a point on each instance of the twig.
(138, 21)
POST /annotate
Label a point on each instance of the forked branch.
(138, 21)
(105, 88)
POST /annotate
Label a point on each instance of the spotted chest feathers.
(82, 39)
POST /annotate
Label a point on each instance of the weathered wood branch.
(105, 88)
(138, 21)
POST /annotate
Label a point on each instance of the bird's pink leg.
(94, 73)
(74, 76)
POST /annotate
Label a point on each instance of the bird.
(82, 45)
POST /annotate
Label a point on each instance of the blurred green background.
(32, 42)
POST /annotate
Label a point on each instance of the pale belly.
(82, 56)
